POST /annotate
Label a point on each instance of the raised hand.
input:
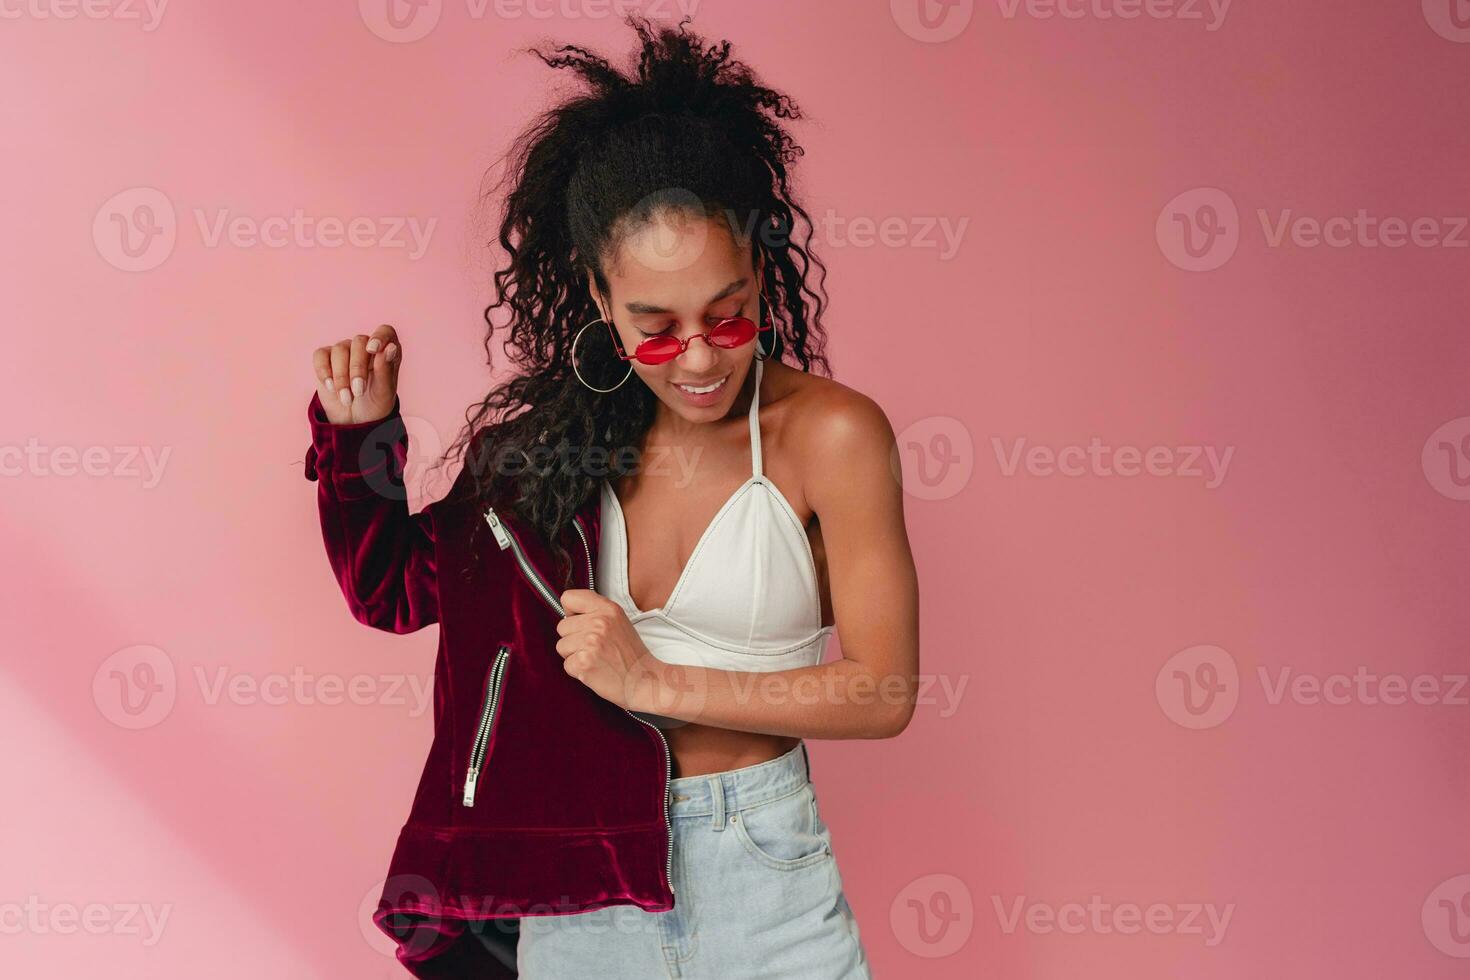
(357, 378)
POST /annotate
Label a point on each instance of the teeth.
(703, 391)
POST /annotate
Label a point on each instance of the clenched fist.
(600, 648)
(357, 379)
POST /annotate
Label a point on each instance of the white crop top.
(747, 600)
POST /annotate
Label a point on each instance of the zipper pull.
(469, 786)
(502, 537)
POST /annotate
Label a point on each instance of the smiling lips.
(703, 389)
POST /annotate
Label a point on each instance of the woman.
(653, 295)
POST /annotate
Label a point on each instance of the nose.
(700, 355)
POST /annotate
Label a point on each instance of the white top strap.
(755, 424)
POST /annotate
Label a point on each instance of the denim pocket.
(784, 833)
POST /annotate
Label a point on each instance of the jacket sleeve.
(382, 556)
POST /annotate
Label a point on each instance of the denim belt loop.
(717, 797)
(806, 757)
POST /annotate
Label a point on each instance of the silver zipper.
(505, 539)
(668, 758)
(577, 523)
(668, 819)
(488, 712)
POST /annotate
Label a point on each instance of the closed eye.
(711, 320)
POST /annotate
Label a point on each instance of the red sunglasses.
(728, 334)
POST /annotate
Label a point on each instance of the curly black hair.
(687, 129)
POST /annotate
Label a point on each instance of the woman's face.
(680, 275)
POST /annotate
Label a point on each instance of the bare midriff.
(702, 749)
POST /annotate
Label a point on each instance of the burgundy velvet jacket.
(538, 796)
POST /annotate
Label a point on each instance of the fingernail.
(358, 386)
(346, 396)
(331, 384)
(372, 346)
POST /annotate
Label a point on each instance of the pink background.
(1072, 765)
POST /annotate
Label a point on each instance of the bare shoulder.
(841, 434)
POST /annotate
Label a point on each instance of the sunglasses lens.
(657, 350)
(734, 332)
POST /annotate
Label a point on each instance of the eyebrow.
(641, 308)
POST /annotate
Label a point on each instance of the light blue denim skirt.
(756, 894)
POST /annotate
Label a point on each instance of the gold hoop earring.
(578, 370)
